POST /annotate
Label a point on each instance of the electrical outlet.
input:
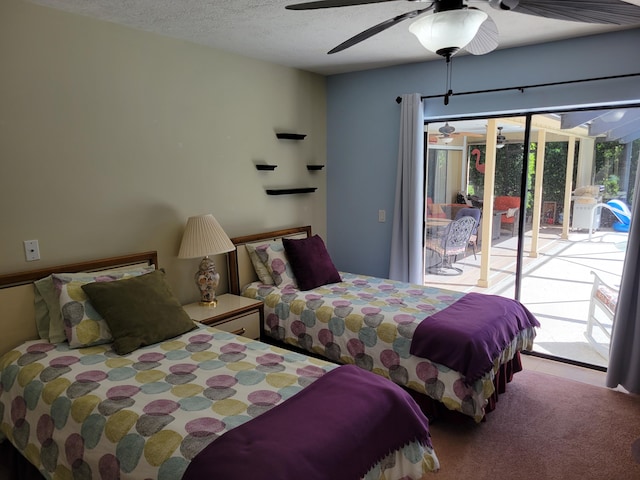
(31, 250)
(382, 216)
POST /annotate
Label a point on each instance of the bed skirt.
(435, 410)
(13, 466)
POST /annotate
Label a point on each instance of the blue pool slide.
(622, 213)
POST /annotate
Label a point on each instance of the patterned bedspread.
(370, 322)
(90, 413)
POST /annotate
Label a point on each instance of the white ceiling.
(263, 29)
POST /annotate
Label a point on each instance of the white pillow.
(258, 265)
(76, 319)
(274, 258)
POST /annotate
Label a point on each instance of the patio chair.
(475, 214)
(453, 241)
(510, 206)
(604, 298)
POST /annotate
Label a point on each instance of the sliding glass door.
(583, 179)
(554, 191)
(480, 173)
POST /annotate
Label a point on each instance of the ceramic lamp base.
(207, 279)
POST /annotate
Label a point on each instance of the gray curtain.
(406, 262)
(624, 355)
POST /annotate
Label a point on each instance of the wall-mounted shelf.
(262, 166)
(291, 136)
(290, 191)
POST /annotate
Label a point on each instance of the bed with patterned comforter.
(157, 411)
(371, 322)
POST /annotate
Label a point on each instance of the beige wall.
(110, 138)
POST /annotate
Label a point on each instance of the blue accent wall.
(363, 122)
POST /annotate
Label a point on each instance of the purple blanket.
(468, 335)
(338, 427)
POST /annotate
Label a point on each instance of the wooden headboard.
(17, 312)
(241, 271)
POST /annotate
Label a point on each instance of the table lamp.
(203, 236)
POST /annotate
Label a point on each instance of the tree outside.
(610, 165)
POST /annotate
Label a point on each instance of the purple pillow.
(310, 262)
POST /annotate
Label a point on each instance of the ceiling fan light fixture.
(446, 139)
(447, 32)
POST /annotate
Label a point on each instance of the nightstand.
(234, 314)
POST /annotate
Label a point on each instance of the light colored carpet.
(545, 427)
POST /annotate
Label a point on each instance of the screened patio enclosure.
(559, 172)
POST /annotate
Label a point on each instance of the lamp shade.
(447, 32)
(204, 236)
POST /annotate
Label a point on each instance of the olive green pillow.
(139, 311)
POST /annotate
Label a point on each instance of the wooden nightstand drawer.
(246, 325)
(235, 314)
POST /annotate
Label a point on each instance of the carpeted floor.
(545, 427)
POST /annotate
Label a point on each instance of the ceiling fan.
(500, 138)
(448, 133)
(454, 25)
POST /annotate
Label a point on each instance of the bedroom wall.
(363, 122)
(110, 138)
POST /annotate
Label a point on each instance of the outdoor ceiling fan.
(500, 138)
(448, 133)
(454, 25)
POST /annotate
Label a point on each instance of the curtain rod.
(523, 87)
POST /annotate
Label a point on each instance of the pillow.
(72, 317)
(274, 258)
(139, 310)
(258, 265)
(47, 307)
(310, 262)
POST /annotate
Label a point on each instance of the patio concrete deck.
(556, 285)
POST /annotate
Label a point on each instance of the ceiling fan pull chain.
(448, 86)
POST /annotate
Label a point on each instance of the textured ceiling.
(264, 29)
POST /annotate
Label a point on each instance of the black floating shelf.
(261, 166)
(291, 136)
(290, 191)
(315, 167)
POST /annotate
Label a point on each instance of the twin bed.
(113, 382)
(104, 376)
(448, 349)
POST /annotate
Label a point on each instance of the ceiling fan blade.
(470, 134)
(370, 32)
(332, 4)
(614, 12)
(486, 40)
